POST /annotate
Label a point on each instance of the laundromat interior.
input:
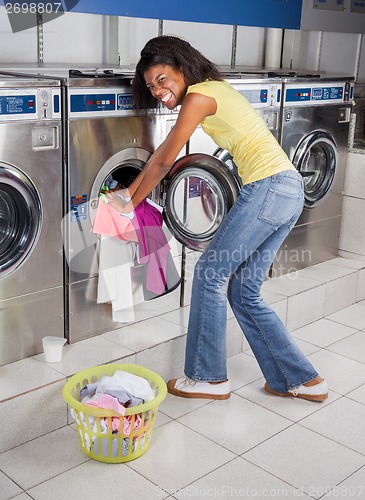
(67, 127)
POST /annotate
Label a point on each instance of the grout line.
(31, 390)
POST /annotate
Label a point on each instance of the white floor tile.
(93, 480)
(179, 456)
(326, 272)
(88, 353)
(176, 407)
(236, 423)
(361, 286)
(238, 479)
(306, 460)
(340, 293)
(36, 461)
(353, 316)
(242, 369)
(300, 307)
(8, 489)
(293, 408)
(352, 347)
(323, 332)
(236, 341)
(306, 347)
(352, 263)
(179, 316)
(342, 421)
(145, 334)
(358, 394)
(25, 375)
(281, 309)
(161, 419)
(290, 284)
(166, 359)
(343, 374)
(271, 297)
(352, 487)
(32, 415)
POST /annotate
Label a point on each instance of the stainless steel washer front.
(314, 135)
(31, 257)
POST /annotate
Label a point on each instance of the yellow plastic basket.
(94, 425)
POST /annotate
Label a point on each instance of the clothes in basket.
(116, 392)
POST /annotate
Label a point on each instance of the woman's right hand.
(119, 202)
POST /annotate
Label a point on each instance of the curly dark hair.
(177, 53)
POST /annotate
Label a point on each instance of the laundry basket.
(96, 432)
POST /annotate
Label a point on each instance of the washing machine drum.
(20, 218)
(199, 191)
(316, 158)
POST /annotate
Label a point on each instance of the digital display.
(92, 102)
(125, 101)
(314, 94)
(18, 104)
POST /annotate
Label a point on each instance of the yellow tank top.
(238, 128)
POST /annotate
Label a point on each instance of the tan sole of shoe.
(308, 397)
(199, 395)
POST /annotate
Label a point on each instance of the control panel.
(100, 102)
(30, 104)
(319, 93)
(259, 95)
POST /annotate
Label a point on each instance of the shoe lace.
(294, 391)
(189, 381)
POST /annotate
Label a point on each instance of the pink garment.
(127, 424)
(110, 222)
(107, 402)
(153, 245)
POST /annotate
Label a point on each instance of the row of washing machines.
(64, 133)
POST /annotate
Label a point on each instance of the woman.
(172, 73)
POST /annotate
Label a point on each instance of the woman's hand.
(118, 203)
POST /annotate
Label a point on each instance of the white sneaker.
(185, 387)
(317, 392)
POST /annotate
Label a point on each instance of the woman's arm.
(193, 110)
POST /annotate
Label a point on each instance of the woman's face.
(166, 84)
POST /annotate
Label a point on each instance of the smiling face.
(166, 84)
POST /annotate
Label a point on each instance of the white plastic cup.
(52, 348)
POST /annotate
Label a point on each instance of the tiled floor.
(253, 445)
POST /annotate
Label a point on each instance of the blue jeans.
(236, 263)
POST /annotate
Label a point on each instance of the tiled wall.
(352, 239)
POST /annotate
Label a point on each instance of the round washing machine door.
(316, 159)
(122, 168)
(20, 218)
(199, 192)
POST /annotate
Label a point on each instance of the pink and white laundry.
(110, 222)
(127, 241)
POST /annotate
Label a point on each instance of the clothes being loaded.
(126, 241)
(117, 392)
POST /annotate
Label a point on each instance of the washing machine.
(31, 255)
(314, 134)
(105, 138)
